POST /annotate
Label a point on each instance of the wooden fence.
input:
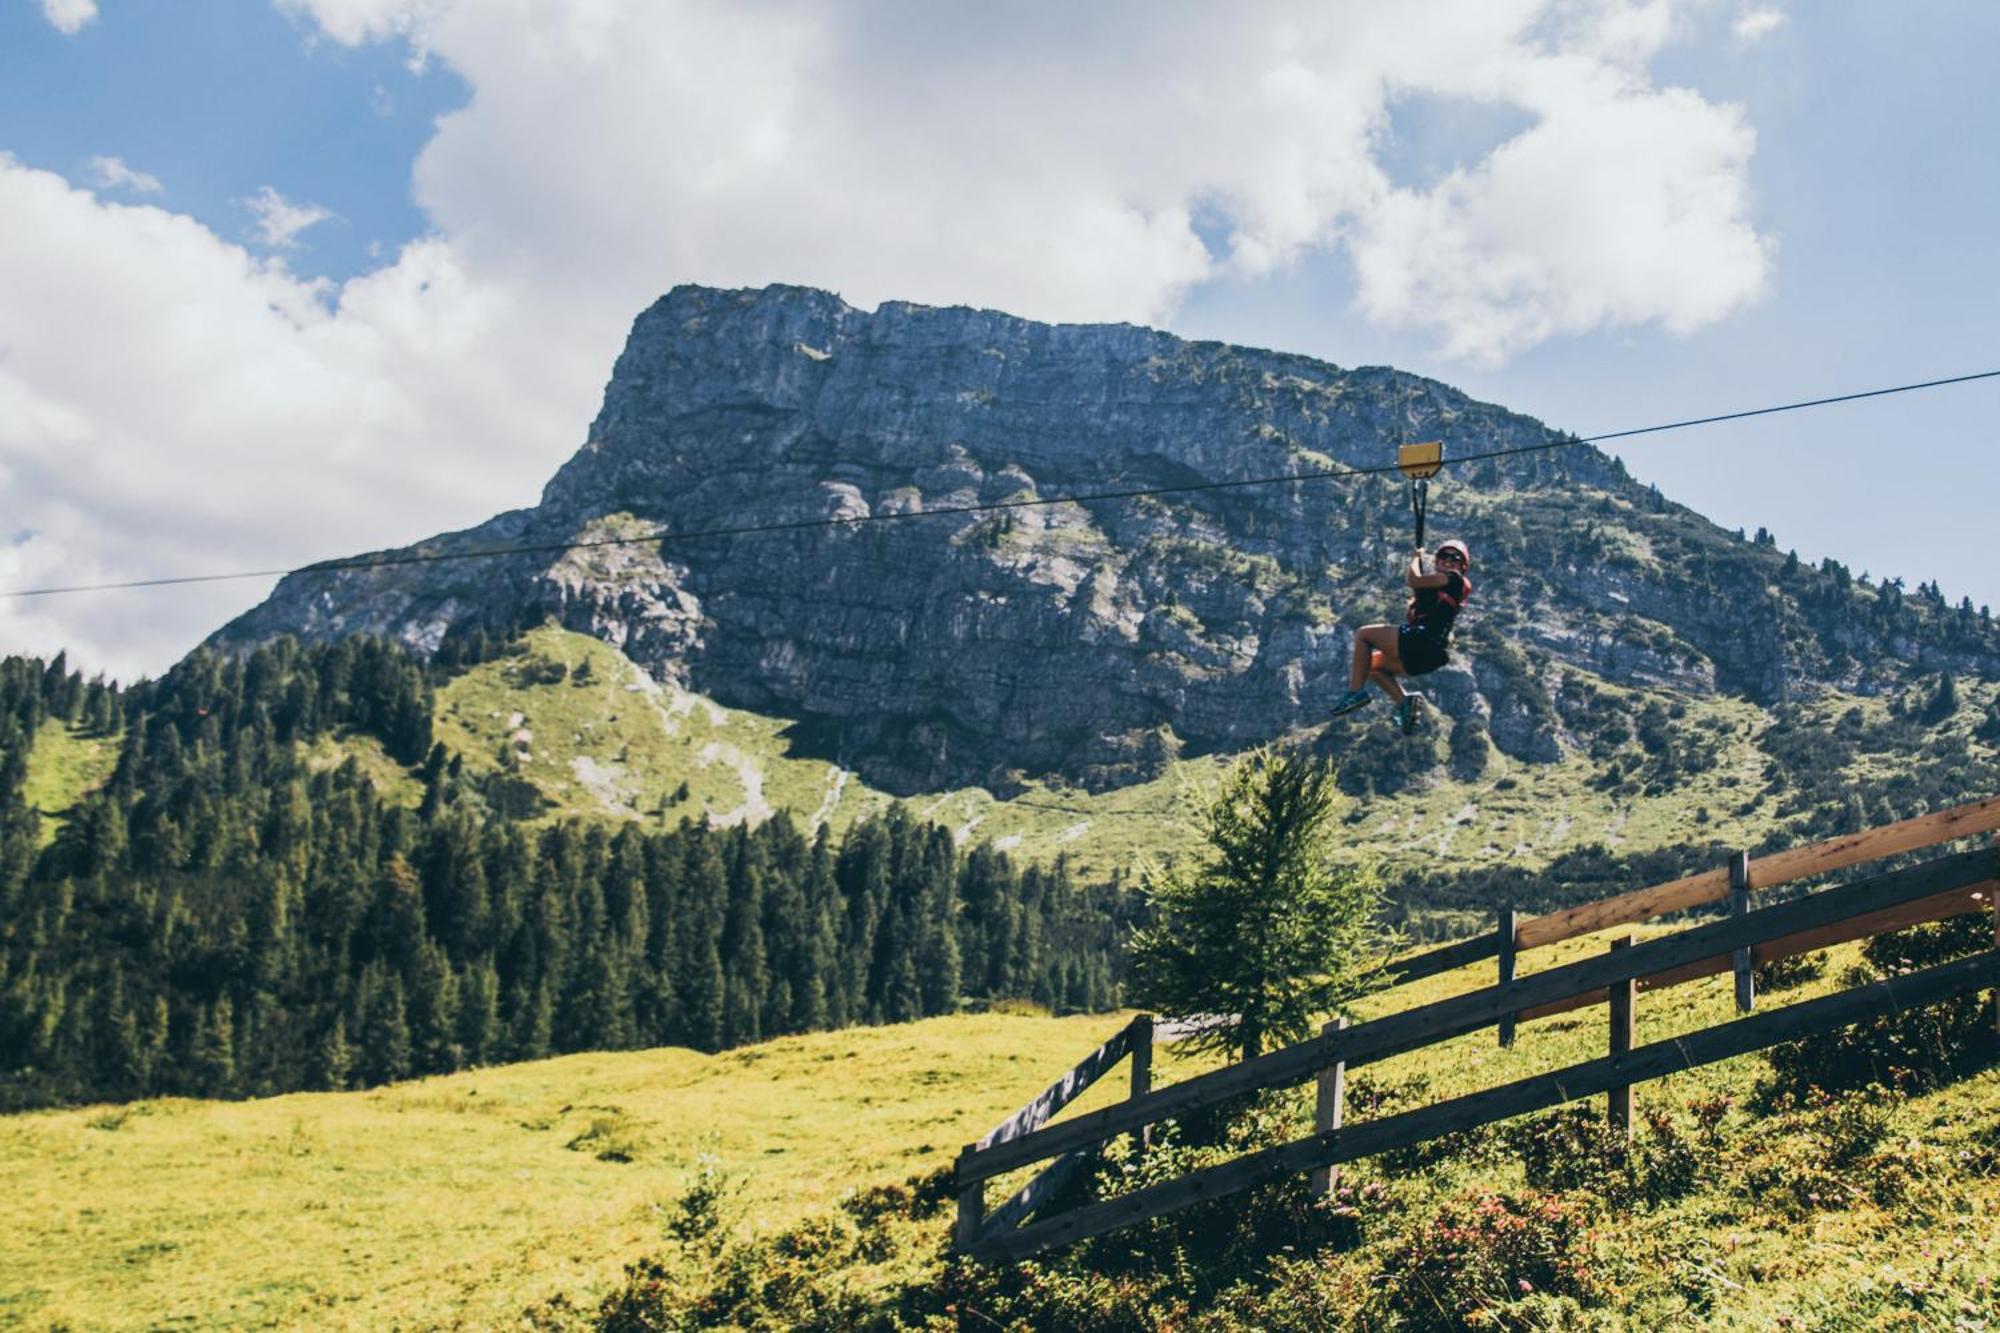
(1943, 886)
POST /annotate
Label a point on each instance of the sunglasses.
(1452, 556)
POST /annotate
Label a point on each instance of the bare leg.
(1375, 659)
(1390, 685)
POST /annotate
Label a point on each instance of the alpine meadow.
(1081, 667)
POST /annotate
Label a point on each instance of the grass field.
(65, 766)
(457, 1201)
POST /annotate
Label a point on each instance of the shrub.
(701, 1218)
(1211, 1245)
(1784, 974)
(610, 1138)
(1482, 1252)
(1929, 945)
(1032, 1296)
(1574, 1148)
(1911, 1050)
(1829, 1152)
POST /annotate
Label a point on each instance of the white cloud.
(173, 404)
(279, 220)
(69, 16)
(1756, 21)
(170, 404)
(109, 173)
(1049, 160)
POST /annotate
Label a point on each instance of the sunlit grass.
(64, 766)
(458, 1198)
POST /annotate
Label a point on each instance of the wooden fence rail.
(1353, 1142)
(1933, 890)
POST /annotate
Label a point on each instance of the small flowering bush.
(1574, 1148)
(1230, 1238)
(1828, 1152)
(1783, 974)
(1484, 1251)
(1914, 1050)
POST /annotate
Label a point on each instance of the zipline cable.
(806, 525)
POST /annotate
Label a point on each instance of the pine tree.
(478, 1012)
(1263, 930)
(433, 1016)
(214, 1049)
(120, 1056)
(333, 1059)
(385, 1034)
(938, 959)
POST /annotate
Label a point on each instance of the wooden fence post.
(1142, 1067)
(1993, 905)
(971, 1214)
(1739, 905)
(1330, 1112)
(1623, 1029)
(1506, 929)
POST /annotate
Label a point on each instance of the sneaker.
(1349, 701)
(1406, 713)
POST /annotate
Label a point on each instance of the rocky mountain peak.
(1094, 640)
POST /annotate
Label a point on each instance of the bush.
(1783, 974)
(1929, 945)
(701, 1218)
(1912, 1050)
(610, 1138)
(1216, 1243)
(1483, 1252)
(1575, 1148)
(1829, 1152)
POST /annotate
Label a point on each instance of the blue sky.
(293, 280)
(219, 99)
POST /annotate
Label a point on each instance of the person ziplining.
(1422, 643)
(1418, 646)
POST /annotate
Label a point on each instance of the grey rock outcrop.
(929, 646)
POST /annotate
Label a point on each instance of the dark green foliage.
(1575, 1148)
(1471, 749)
(1486, 1250)
(1811, 768)
(1912, 1050)
(1382, 761)
(1785, 974)
(1583, 874)
(1825, 1151)
(1915, 1049)
(1264, 928)
(221, 920)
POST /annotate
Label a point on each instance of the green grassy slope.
(595, 737)
(571, 720)
(65, 766)
(457, 1201)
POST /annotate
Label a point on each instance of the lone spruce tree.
(1263, 933)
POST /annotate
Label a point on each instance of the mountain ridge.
(1096, 641)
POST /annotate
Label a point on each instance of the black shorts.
(1421, 653)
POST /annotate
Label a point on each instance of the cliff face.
(1092, 640)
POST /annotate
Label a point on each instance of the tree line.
(222, 919)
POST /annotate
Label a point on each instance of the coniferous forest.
(221, 919)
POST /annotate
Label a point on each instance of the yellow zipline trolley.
(1420, 462)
